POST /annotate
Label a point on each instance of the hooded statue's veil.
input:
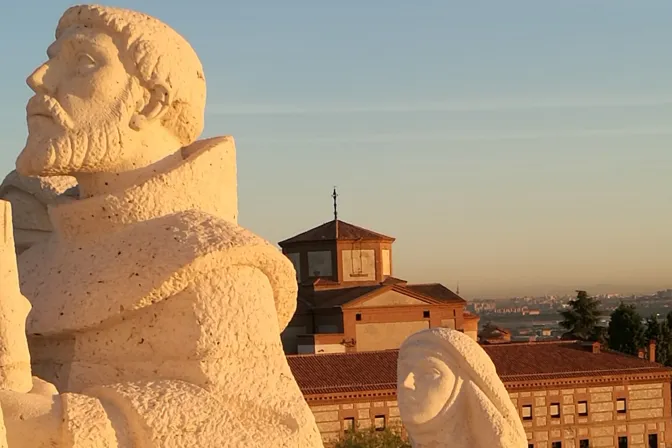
(478, 412)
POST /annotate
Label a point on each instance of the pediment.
(387, 298)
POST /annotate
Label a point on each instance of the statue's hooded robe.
(158, 317)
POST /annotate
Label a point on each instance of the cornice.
(341, 396)
(587, 380)
(510, 386)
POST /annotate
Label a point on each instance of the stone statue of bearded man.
(155, 316)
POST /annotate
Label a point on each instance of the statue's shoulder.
(142, 264)
(218, 244)
(203, 234)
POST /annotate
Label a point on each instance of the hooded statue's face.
(449, 394)
(426, 385)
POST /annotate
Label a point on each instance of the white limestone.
(155, 315)
(30, 197)
(15, 371)
(449, 394)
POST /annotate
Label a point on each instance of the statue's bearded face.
(78, 120)
(426, 385)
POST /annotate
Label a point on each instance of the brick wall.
(644, 414)
(333, 419)
(647, 412)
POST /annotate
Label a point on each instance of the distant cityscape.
(537, 318)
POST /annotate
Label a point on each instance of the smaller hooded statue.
(451, 396)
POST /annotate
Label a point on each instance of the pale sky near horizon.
(516, 147)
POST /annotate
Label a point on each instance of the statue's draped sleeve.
(170, 414)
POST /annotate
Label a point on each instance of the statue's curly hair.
(158, 55)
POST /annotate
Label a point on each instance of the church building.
(349, 300)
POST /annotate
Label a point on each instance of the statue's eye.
(85, 61)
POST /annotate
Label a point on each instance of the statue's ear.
(157, 105)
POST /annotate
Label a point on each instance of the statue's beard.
(74, 151)
(65, 147)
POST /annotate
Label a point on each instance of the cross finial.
(334, 196)
(458, 289)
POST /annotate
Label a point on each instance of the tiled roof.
(467, 315)
(537, 360)
(493, 331)
(436, 291)
(328, 232)
(362, 371)
(303, 306)
(345, 372)
(328, 298)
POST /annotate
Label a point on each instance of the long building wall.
(334, 419)
(644, 415)
(647, 413)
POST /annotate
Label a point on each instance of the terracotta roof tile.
(327, 232)
(329, 298)
(558, 359)
(351, 372)
(345, 372)
(436, 291)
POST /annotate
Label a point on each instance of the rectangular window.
(620, 406)
(527, 412)
(653, 440)
(582, 408)
(556, 445)
(555, 410)
(530, 445)
(623, 442)
(379, 422)
(349, 424)
(425, 314)
(584, 443)
(358, 316)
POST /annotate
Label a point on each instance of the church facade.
(349, 300)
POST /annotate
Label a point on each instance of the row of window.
(582, 409)
(622, 442)
(379, 423)
(425, 315)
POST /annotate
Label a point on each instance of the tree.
(582, 317)
(663, 349)
(654, 332)
(626, 332)
(386, 438)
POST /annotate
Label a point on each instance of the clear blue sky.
(514, 146)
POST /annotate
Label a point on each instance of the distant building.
(349, 300)
(492, 334)
(568, 394)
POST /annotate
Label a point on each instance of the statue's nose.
(409, 381)
(36, 80)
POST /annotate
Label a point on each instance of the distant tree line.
(626, 332)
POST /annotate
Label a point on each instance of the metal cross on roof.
(334, 195)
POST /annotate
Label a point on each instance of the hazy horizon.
(512, 147)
